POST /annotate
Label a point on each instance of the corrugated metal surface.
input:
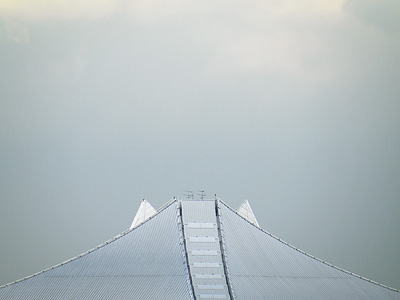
(188, 248)
(262, 267)
(198, 211)
(145, 263)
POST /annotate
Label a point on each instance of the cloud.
(71, 67)
(285, 52)
(153, 9)
(382, 14)
(275, 37)
(16, 32)
(296, 40)
(57, 9)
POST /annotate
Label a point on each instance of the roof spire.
(246, 212)
(144, 212)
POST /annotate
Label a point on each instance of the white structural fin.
(246, 212)
(144, 212)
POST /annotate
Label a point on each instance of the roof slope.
(196, 249)
(260, 265)
(144, 263)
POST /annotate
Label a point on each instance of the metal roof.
(147, 262)
(195, 249)
(261, 265)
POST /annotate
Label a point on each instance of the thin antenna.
(189, 195)
(202, 194)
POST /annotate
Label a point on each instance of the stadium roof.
(195, 249)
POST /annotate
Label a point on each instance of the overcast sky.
(291, 104)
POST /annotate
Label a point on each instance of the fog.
(293, 105)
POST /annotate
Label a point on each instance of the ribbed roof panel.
(263, 267)
(226, 256)
(145, 263)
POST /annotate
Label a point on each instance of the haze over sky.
(291, 104)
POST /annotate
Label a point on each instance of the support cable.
(184, 251)
(223, 250)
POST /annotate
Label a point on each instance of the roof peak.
(145, 211)
(246, 212)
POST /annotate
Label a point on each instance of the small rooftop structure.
(195, 249)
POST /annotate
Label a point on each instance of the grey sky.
(293, 105)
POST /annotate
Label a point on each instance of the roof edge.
(162, 208)
(309, 255)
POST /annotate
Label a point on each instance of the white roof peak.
(246, 212)
(144, 212)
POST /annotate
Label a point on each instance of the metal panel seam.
(184, 251)
(223, 250)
